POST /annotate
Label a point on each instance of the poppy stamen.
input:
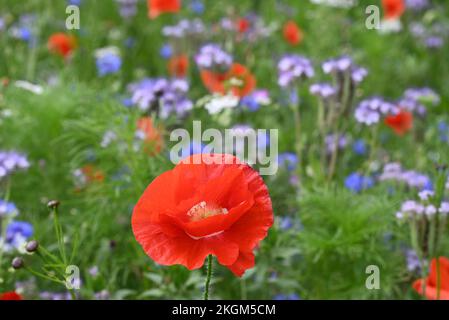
(202, 211)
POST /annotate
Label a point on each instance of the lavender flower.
(292, 68)
(11, 161)
(256, 99)
(128, 8)
(434, 42)
(343, 65)
(168, 96)
(323, 90)
(444, 208)
(413, 179)
(425, 195)
(332, 144)
(413, 262)
(184, 28)
(422, 94)
(369, 111)
(417, 5)
(211, 56)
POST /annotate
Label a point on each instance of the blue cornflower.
(108, 63)
(285, 223)
(356, 182)
(359, 147)
(166, 51)
(288, 159)
(17, 233)
(191, 149)
(7, 208)
(197, 6)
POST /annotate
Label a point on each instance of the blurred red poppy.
(61, 44)
(242, 25)
(431, 282)
(401, 123)
(157, 7)
(393, 9)
(92, 174)
(238, 80)
(10, 296)
(178, 66)
(292, 33)
(208, 204)
(153, 137)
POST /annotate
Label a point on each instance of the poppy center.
(203, 210)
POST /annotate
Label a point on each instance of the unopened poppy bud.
(32, 246)
(17, 263)
(53, 204)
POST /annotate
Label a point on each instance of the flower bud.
(53, 204)
(17, 263)
(32, 246)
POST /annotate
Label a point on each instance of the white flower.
(219, 102)
(34, 88)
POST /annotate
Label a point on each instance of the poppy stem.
(208, 277)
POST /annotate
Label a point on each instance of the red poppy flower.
(238, 80)
(157, 7)
(401, 123)
(242, 25)
(292, 33)
(10, 296)
(178, 66)
(61, 44)
(431, 282)
(153, 137)
(92, 174)
(208, 204)
(393, 9)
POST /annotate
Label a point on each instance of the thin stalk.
(208, 277)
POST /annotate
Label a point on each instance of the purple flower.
(184, 28)
(434, 42)
(413, 262)
(332, 144)
(369, 111)
(170, 96)
(323, 90)
(292, 296)
(254, 100)
(11, 161)
(417, 5)
(211, 56)
(128, 8)
(292, 68)
(422, 94)
(343, 65)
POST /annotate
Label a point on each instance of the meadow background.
(326, 232)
